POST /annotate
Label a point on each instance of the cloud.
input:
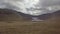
(32, 7)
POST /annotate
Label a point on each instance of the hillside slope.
(11, 23)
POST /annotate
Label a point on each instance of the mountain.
(9, 14)
(48, 15)
(43, 16)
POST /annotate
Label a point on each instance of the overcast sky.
(32, 7)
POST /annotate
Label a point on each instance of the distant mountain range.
(43, 16)
(26, 16)
(49, 15)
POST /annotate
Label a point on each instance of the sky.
(31, 7)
